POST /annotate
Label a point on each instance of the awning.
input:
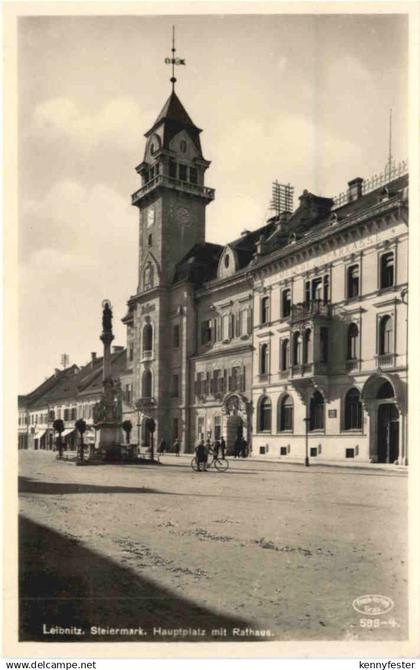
(39, 434)
(67, 432)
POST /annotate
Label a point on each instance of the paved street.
(266, 547)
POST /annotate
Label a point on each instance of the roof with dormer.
(175, 118)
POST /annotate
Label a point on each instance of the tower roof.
(174, 111)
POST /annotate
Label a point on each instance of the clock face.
(183, 216)
(150, 217)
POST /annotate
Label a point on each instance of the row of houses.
(69, 394)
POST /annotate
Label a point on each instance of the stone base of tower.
(108, 441)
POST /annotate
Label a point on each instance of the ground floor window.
(285, 414)
(317, 412)
(264, 414)
(353, 411)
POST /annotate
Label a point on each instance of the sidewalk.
(389, 467)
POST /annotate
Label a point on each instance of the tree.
(80, 426)
(58, 426)
(127, 427)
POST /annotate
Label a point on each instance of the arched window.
(352, 342)
(264, 414)
(148, 276)
(146, 384)
(387, 270)
(285, 354)
(353, 411)
(264, 359)
(317, 412)
(285, 413)
(147, 338)
(385, 335)
(297, 348)
(307, 346)
(385, 391)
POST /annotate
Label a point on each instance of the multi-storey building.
(293, 335)
(69, 394)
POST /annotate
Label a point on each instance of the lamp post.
(306, 420)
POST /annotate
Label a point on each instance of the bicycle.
(220, 464)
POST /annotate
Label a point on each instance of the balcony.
(303, 311)
(385, 361)
(176, 184)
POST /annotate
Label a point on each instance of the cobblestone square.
(264, 551)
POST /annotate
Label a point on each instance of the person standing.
(222, 447)
(162, 446)
(201, 454)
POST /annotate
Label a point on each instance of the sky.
(304, 99)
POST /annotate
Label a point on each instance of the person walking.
(244, 448)
(162, 446)
(201, 454)
(222, 448)
(176, 447)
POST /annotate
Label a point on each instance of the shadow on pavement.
(27, 485)
(64, 584)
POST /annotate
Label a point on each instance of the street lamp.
(306, 420)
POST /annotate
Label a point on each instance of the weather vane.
(174, 61)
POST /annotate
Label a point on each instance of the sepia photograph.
(212, 439)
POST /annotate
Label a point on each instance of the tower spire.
(174, 61)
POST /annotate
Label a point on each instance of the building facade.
(293, 336)
(69, 394)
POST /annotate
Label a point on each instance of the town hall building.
(293, 336)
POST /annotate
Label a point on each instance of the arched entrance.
(238, 424)
(388, 433)
(383, 398)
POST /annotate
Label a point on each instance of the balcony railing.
(309, 310)
(177, 184)
(385, 361)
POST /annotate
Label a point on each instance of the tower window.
(227, 260)
(183, 172)
(147, 338)
(150, 240)
(183, 146)
(193, 175)
(172, 169)
(175, 336)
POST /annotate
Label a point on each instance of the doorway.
(235, 429)
(388, 433)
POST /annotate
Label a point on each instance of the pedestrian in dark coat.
(222, 447)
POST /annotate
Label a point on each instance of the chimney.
(57, 371)
(116, 349)
(93, 357)
(355, 189)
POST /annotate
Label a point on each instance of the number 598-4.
(370, 623)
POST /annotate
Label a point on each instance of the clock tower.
(173, 198)
(172, 203)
